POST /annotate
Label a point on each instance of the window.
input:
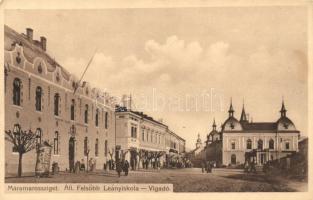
(73, 110)
(38, 135)
(38, 98)
(56, 143)
(249, 144)
(233, 145)
(134, 132)
(151, 138)
(56, 104)
(271, 144)
(260, 144)
(97, 147)
(106, 120)
(86, 146)
(143, 135)
(105, 148)
(17, 92)
(233, 159)
(86, 114)
(147, 136)
(97, 117)
(287, 147)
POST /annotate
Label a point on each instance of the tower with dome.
(244, 140)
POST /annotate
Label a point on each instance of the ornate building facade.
(144, 140)
(41, 96)
(240, 140)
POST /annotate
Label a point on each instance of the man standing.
(203, 166)
(126, 167)
(118, 167)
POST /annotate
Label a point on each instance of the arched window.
(97, 117)
(56, 104)
(271, 144)
(106, 120)
(147, 136)
(56, 143)
(38, 98)
(105, 148)
(86, 114)
(38, 135)
(73, 110)
(97, 147)
(260, 144)
(233, 159)
(17, 91)
(86, 146)
(249, 144)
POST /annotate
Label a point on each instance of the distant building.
(143, 139)
(197, 155)
(39, 96)
(213, 146)
(259, 141)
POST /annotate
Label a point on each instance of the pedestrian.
(118, 167)
(126, 167)
(253, 169)
(77, 167)
(90, 164)
(202, 166)
(208, 167)
(82, 165)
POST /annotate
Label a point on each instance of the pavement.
(183, 180)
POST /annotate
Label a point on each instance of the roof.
(260, 127)
(30, 49)
(140, 114)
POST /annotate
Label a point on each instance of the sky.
(184, 65)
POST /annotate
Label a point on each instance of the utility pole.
(77, 84)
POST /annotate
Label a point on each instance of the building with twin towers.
(240, 140)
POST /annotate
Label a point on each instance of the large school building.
(76, 119)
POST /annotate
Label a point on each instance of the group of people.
(207, 166)
(249, 166)
(122, 166)
(155, 163)
(80, 166)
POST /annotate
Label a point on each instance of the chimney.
(29, 33)
(43, 42)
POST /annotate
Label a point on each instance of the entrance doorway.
(233, 159)
(71, 153)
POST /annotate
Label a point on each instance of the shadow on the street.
(107, 175)
(252, 177)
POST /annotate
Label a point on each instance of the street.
(183, 180)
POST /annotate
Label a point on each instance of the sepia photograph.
(156, 99)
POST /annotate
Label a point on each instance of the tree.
(23, 142)
(141, 154)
